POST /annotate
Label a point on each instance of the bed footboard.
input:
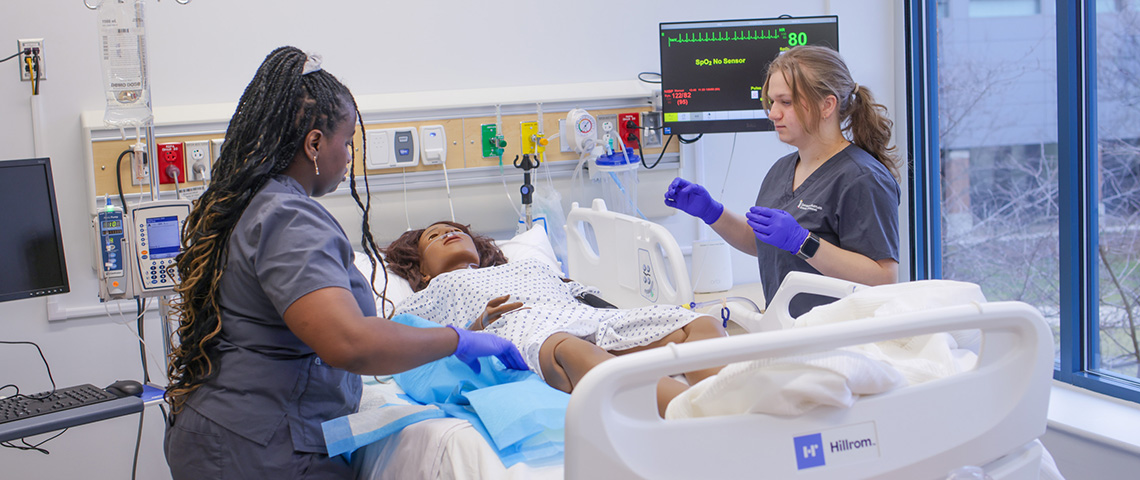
(916, 432)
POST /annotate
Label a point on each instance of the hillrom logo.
(842, 445)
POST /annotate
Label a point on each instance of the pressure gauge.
(585, 125)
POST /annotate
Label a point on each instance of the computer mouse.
(122, 388)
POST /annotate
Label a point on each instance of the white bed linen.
(438, 449)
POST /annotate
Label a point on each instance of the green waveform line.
(735, 36)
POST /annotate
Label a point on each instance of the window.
(1004, 8)
(1118, 188)
(1026, 179)
(997, 130)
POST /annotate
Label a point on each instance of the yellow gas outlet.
(530, 138)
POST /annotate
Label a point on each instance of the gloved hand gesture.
(777, 228)
(694, 200)
(473, 345)
(496, 307)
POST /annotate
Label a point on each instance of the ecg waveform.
(734, 36)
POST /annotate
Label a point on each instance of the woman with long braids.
(830, 207)
(275, 322)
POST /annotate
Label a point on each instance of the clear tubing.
(696, 305)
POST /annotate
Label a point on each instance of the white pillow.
(530, 244)
(533, 243)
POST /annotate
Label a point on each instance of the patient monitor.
(138, 249)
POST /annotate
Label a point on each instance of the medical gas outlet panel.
(392, 148)
(156, 230)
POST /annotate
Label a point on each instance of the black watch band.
(809, 247)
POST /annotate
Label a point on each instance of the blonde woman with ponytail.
(829, 208)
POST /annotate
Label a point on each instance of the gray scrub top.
(851, 201)
(284, 246)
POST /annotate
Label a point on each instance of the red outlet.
(170, 154)
(629, 127)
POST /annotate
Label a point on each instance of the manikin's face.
(335, 154)
(782, 113)
(444, 248)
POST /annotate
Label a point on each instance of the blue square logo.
(809, 451)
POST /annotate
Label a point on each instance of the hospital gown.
(459, 297)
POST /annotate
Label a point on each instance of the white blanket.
(794, 385)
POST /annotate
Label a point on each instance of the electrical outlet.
(198, 160)
(629, 128)
(216, 149)
(170, 154)
(651, 129)
(35, 47)
(607, 125)
(140, 170)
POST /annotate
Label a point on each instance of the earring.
(316, 166)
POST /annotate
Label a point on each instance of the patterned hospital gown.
(459, 297)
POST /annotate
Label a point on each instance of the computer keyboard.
(19, 407)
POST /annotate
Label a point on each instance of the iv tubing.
(696, 305)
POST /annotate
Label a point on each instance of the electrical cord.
(659, 157)
(641, 76)
(119, 178)
(46, 366)
(14, 55)
(26, 445)
(686, 141)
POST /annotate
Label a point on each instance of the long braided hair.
(814, 72)
(277, 110)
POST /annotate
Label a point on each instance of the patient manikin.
(462, 279)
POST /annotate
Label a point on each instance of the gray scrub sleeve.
(285, 246)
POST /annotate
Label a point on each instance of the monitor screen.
(712, 72)
(30, 240)
(164, 239)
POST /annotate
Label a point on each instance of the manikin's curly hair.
(403, 255)
(278, 108)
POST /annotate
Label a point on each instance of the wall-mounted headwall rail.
(461, 113)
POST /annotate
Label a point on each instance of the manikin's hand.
(496, 307)
(694, 200)
(473, 345)
(777, 228)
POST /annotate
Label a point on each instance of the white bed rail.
(776, 315)
(634, 262)
(918, 432)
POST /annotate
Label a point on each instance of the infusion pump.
(138, 248)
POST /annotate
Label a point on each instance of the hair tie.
(312, 63)
(854, 89)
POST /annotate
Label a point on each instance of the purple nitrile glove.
(473, 345)
(777, 228)
(694, 200)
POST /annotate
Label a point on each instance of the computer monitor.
(31, 243)
(712, 72)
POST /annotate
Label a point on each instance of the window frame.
(1077, 191)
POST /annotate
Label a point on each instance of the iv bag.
(122, 39)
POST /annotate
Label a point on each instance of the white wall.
(206, 52)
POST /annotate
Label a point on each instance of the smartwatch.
(809, 247)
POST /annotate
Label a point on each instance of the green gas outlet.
(492, 142)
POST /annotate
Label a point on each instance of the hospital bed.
(988, 416)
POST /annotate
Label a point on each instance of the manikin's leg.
(565, 359)
(702, 328)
